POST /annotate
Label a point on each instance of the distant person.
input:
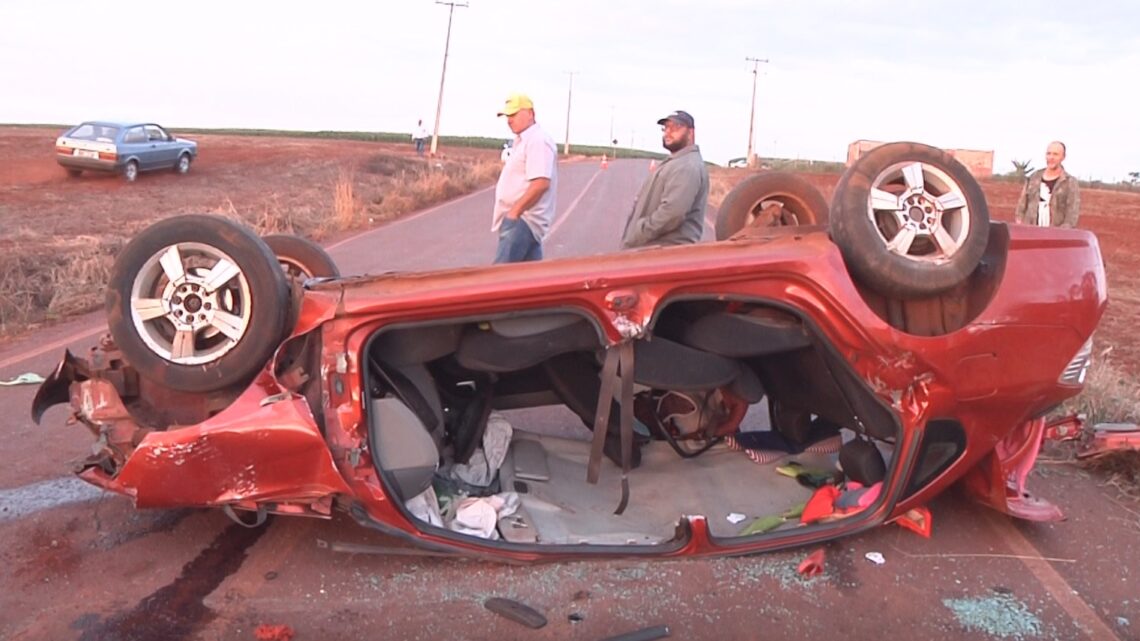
(1052, 197)
(670, 208)
(506, 152)
(524, 195)
(420, 137)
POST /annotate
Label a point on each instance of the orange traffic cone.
(605, 162)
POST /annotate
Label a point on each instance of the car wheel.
(131, 171)
(197, 303)
(300, 259)
(74, 173)
(770, 199)
(183, 165)
(910, 220)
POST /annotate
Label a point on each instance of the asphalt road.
(76, 564)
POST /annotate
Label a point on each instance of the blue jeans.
(420, 145)
(517, 243)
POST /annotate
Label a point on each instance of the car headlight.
(1075, 371)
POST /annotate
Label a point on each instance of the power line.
(443, 74)
(752, 115)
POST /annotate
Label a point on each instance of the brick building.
(979, 162)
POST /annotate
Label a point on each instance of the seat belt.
(618, 362)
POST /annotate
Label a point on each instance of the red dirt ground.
(246, 174)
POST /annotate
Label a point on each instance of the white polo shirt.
(533, 155)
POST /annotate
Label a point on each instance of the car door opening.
(742, 412)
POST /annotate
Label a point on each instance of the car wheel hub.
(191, 306)
(919, 211)
(202, 309)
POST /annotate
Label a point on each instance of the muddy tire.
(183, 164)
(300, 259)
(197, 303)
(910, 220)
(131, 171)
(747, 203)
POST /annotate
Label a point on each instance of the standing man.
(1051, 196)
(524, 195)
(420, 137)
(670, 208)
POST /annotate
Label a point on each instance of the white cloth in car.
(425, 507)
(484, 463)
(478, 516)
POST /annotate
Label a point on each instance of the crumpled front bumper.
(253, 448)
(94, 388)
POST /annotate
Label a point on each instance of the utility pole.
(569, 94)
(752, 115)
(443, 75)
(613, 141)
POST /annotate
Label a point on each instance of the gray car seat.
(404, 450)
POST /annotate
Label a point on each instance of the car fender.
(123, 160)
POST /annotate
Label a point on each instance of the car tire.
(300, 259)
(802, 203)
(183, 164)
(197, 303)
(909, 220)
(74, 173)
(131, 171)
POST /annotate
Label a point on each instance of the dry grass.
(53, 278)
(430, 185)
(1110, 396)
(346, 208)
(1120, 470)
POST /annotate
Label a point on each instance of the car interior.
(742, 412)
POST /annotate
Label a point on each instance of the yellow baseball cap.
(516, 102)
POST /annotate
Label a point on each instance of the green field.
(478, 142)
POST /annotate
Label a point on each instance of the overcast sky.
(967, 74)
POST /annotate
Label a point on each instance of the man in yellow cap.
(524, 195)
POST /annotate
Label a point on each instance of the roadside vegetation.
(1110, 396)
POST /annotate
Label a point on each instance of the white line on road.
(63, 342)
(1063, 594)
(558, 223)
(27, 499)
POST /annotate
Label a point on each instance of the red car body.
(1014, 354)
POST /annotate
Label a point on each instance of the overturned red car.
(819, 370)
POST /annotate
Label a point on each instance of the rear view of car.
(90, 146)
(125, 148)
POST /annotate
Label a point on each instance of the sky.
(964, 74)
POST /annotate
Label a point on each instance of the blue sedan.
(123, 147)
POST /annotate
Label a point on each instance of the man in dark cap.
(670, 208)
